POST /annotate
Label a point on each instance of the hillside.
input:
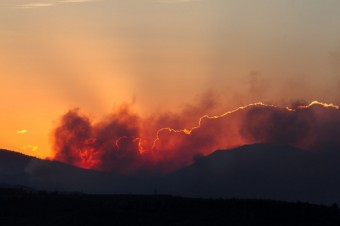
(258, 171)
(267, 171)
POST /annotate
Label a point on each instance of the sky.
(158, 55)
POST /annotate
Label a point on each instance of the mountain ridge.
(269, 171)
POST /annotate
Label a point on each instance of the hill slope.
(263, 171)
(18, 169)
(260, 171)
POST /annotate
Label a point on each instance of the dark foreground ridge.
(256, 171)
(22, 207)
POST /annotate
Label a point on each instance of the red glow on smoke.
(124, 142)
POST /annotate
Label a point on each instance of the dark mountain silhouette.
(260, 171)
(20, 170)
(265, 171)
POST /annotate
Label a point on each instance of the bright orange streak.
(90, 157)
(315, 103)
(137, 140)
(119, 140)
(29, 148)
(185, 131)
(189, 131)
(140, 145)
(87, 158)
(22, 131)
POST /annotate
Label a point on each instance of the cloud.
(314, 128)
(29, 148)
(36, 5)
(49, 3)
(22, 131)
(176, 1)
(107, 145)
(125, 142)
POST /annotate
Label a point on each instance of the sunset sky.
(158, 55)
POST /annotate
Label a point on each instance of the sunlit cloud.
(74, 1)
(29, 148)
(36, 5)
(176, 1)
(23, 131)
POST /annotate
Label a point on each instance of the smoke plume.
(124, 142)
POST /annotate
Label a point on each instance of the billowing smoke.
(124, 142)
(276, 125)
(111, 144)
(314, 128)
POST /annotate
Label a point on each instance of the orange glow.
(22, 131)
(29, 147)
(87, 161)
(158, 57)
(31, 150)
(189, 131)
(326, 105)
(178, 145)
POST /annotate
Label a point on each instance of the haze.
(160, 56)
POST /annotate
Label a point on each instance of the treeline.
(24, 207)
